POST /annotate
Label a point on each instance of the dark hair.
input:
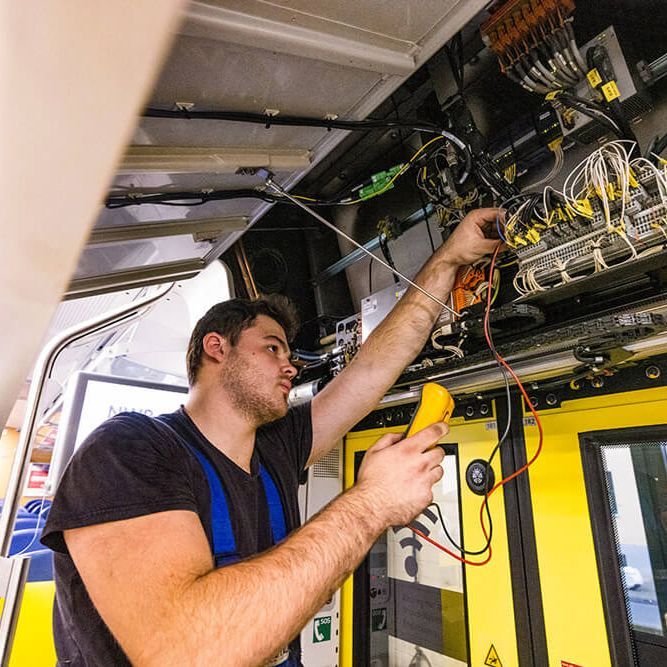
(230, 318)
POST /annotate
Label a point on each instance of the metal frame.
(47, 358)
(132, 278)
(13, 577)
(527, 591)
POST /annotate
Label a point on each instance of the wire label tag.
(594, 77)
(611, 91)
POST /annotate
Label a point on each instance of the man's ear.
(215, 346)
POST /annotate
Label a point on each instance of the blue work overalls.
(224, 543)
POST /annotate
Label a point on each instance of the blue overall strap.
(224, 544)
(278, 528)
(276, 510)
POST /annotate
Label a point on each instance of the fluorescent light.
(204, 160)
(207, 227)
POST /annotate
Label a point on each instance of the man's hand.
(399, 476)
(474, 237)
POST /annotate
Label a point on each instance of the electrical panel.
(584, 205)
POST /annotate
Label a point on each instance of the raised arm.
(400, 337)
(152, 580)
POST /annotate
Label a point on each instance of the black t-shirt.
(133, 465)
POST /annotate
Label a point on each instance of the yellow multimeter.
(435, 405)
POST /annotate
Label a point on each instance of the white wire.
(607, 164)
(660, 177)
(559, 161)
(38, 528)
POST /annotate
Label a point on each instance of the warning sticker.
(565, 663)
(492, 659)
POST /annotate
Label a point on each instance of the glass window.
(636, 481)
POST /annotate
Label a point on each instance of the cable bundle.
(535, 44)
(612, 210)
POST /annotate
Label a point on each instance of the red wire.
(531, 407)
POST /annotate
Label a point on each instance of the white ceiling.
(311, 58)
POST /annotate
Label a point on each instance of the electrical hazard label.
(492, 659)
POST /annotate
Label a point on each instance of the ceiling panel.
(293, 57)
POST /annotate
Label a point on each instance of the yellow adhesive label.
(594, 77)
(610, 91)
(552, 94)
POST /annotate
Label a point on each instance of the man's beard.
(240, 384)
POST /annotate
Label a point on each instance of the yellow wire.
(303, 198)
(398, 173)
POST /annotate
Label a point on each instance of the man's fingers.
(484, 217)
(436, 474)
(386, 441)
(426, 438)
(434, 456)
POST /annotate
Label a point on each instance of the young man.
(151, 571)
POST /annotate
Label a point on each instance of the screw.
(653, 372)
(534, 400)
(484, 409)
(470, 411)
(552, 399)
(597, 382)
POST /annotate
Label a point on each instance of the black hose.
(295, 121)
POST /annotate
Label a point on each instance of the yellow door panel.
(488, 588)
(573, 611)
(33, 642)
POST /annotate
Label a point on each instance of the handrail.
(45, 362)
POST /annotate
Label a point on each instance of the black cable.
(370, 275)
(384, 247)
(204, 196)
(594, 113)
(501, 440)
(454, 52)
(294, 121)
(199, 198)
(425, 212)
(655, 148)
(187, 198)
(597, 56)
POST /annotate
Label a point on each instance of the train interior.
(192, 152)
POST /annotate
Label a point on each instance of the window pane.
(636, 475)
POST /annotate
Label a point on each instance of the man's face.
(257, 374)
